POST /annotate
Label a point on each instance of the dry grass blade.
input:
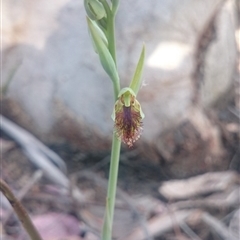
(37, 152)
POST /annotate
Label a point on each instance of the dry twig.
(36, 177)
(20, 211)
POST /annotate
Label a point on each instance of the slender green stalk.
(112, 50)
(20, 211)
(116, 88)
(112, 187)
(111, 37)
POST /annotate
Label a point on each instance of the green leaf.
(103, 52)
(136, 80)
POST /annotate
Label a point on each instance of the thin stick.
(36, 177)
(20, 211)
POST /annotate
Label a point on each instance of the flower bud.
(94, 9)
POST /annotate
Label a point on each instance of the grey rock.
(49, 39)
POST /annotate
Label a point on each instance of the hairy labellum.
(128, 120)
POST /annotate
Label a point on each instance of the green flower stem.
(111, 36)
(116, 88)
(112, 187)
(20, 211)
(113, 176)
(116, 144)
(112, 50)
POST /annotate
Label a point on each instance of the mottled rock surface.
(48, 42)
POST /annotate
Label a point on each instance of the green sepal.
(94, 9)
(103, 52)
(136, 80)
(127, 98)
(126, 94)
